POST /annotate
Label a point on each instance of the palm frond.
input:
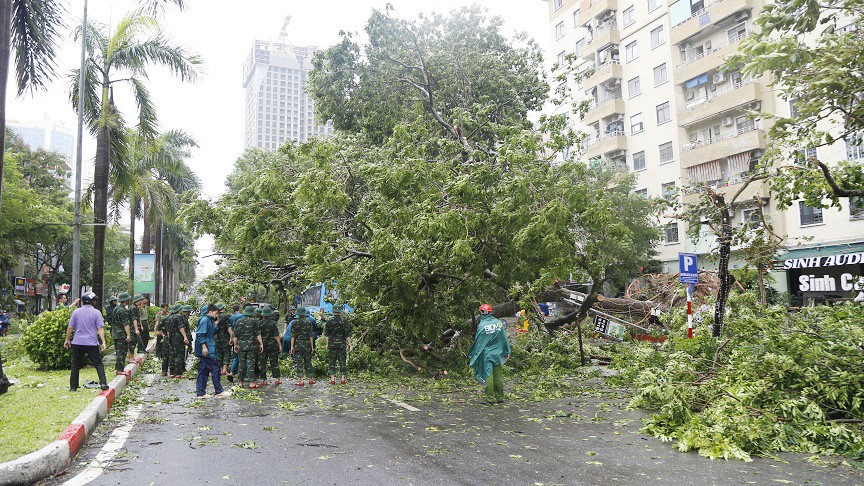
(147, 120)
(35, 26)
(157, 7)
(158, 51)
(92, 88)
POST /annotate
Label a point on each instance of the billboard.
(145, 273)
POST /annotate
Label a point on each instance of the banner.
(145, 273)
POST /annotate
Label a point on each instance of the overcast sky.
(211, 110)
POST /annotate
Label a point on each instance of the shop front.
(825, 274)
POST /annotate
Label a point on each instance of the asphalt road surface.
(368, 433)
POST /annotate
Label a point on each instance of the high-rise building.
(53, 138)
(278, 110)
(663, 106)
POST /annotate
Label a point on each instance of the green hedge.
(43, 340)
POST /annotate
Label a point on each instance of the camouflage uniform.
(144, 327)
(301, 332)
(184, 315)
(160, 347)
(176, 345)
(246, 333)
(269, 336)
(120, 321)
(337, 331)
(223, 339)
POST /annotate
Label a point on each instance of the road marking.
(402, 404)
(114, 444)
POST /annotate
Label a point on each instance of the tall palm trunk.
(5, 42)
(132, 218)
(158, 270)
(146, 237)
(100, 209)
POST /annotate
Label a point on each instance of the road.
(362, 433)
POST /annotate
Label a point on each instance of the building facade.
(52, 138)
(662, 106)
(278, 110)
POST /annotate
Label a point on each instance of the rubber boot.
(300, 383)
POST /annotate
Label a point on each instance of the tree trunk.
(158, 270)
(146, 237)
(132, 218)
(725, 243)
(100, 210)
(166, 292)
(5, 42)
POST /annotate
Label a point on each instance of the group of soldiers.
(247, 342)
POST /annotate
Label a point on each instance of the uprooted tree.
(437, 193)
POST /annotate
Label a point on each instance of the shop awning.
(820, 251)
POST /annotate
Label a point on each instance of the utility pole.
(76, 230)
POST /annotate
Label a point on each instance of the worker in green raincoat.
(489, 351)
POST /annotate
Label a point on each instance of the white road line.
(402, 404)
(113, 445)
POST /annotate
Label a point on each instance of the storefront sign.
(827, 283)
(824, 261)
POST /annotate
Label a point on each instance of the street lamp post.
(76, 232)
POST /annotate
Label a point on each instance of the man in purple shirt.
(87, 325)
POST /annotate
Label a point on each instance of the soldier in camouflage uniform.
(272, 346)
(337, 334)
(139, 320)
(178, 339)
(301, 345)
(247, 344)
(121, 329)
(162, 314)
(184, 313)
(224, 338)
(163, 346)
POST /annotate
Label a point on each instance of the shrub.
(43, 340)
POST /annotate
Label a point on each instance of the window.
(854, 148)
(745, 124)
(579, 45)
(641, 192)
(671, 233)
(631, 52)
(576, 20)
(793, 110)
(629, 16)
(561, 58)
(653, 5)
(639, 164)
(752, 218)
(559, 30)
(809, 214)
(802, 154)
(856, 208)
(664, 113)
(660, 74)
(636, 124)
(737, 32)
(633, 87)
(668, 190)
(556, 4)
(657, 37)
(666, 152)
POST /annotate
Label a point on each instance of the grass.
(39, 407)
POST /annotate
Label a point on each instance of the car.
(320, 298)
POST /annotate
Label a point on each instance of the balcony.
(603, 36)
(711, 59)
(604, 72)
(720, 101)
(711, 14)
(604, 109)
(729, 188)
(597, 7)
(741, 140)
(608, 142)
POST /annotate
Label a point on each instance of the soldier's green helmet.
(258, 311)
(137, 298)
(302, 312)
(187, 308)
(248, 311)
(220, 306)
(176, 308)
(338, 308)
(123, 297)
(267, 311)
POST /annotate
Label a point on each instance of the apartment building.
(278, 109)
(662, 107)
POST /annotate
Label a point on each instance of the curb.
(54, 457)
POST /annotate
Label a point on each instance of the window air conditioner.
(690, 95)
(719, 78)
(694, 138)
(728, 121)
(743, 15)
(756, 105)
(707, 46)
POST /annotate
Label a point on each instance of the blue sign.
(688, 268)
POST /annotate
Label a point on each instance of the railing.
(595, 104)
(692, 104)
(719, 138)
(713, 49)
(606, 26)
(697, 13)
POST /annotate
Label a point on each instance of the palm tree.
(157, 171)
(30, 27)
(124, 56)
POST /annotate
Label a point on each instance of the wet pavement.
(362, 433)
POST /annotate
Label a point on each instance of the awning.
(824, 251)
(822, 257)
(739, 163)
